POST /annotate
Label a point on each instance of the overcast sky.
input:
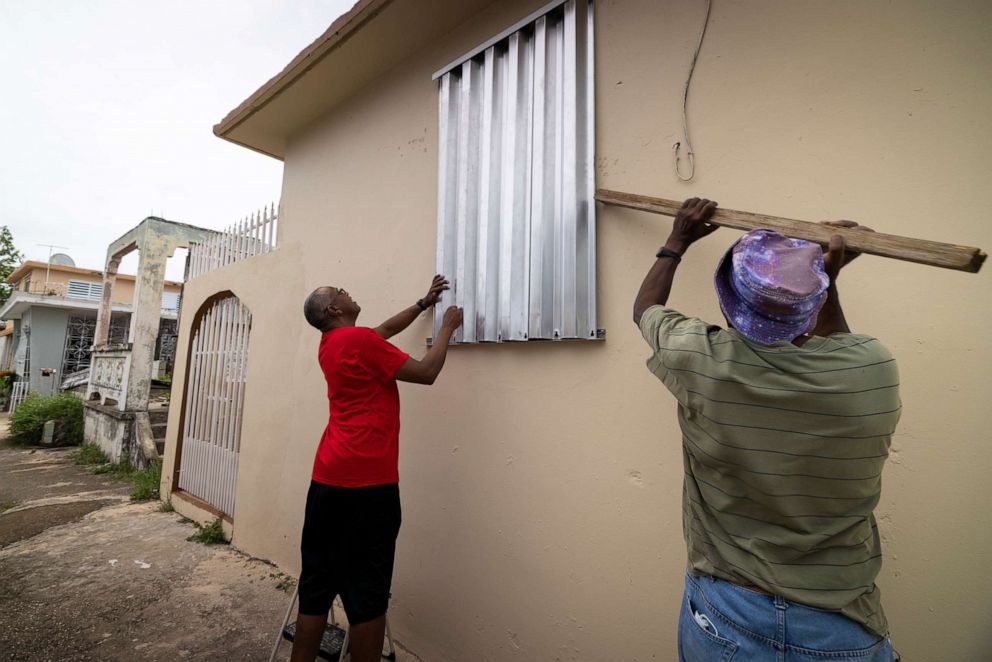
(107, 109)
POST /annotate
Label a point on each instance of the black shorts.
(349, 542)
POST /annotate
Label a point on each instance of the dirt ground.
(85, 574)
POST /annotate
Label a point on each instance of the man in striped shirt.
(786, 421)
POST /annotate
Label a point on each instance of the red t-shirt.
(360, 445)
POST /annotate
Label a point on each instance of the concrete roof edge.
(340, 29)
(17, 273)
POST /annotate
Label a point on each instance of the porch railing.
(45, 289)
(254, 235)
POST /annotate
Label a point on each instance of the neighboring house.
(52, 312)
(541, 480)
(6, 346)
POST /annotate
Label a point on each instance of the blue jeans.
(721, 621)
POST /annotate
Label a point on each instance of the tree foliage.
(10, 258)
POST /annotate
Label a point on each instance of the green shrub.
(146, 482)
(7, 381)
(89, 454)
(211, 534)
(28, 420)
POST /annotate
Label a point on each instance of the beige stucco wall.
(541, 483)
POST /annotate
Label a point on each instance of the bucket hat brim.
(750, 321)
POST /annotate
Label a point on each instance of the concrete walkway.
(85, 574)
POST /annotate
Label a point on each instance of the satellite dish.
(62, 260)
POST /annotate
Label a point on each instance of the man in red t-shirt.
(353, 506)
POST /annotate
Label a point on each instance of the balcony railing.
(44, 289)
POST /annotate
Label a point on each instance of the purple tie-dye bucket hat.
(771, 287)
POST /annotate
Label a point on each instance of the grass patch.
(89, 454)
(118, 470)
(211, 534)
(146, 482)
(28, 420)
(7, 505)
(283, 581)
(166, 507)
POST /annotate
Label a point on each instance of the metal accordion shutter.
(516, 223)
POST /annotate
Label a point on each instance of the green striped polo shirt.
(783, 448)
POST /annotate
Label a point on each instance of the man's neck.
(342, 323)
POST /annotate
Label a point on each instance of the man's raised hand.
(837, 255)
(691, 223)
(453, 318)
(438, 285)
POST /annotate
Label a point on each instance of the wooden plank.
(921, 251)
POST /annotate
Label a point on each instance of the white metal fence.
(215, 392)
(252, 236)
(18, 394)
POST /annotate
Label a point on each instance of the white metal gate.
(17, 395)
(215, 393)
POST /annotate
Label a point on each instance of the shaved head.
(315, 308)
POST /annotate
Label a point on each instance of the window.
(516, 223)
(81, 289)
(170, 300)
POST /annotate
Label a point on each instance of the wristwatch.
(422, 305)
(668, 252)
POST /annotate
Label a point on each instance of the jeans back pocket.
(700, 638)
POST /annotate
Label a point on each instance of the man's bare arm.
(426, 370)
(401, 320)
(690, 225)
(831, 317)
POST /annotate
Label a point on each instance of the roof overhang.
(361, 45)
(20, 303)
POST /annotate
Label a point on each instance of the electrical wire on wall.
(685, 101)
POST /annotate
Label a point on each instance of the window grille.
(165, 345)
(80, 331)
(516, 223)
(78, 344)
(81, 289)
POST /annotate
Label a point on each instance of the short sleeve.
(380, 357)
(663, 327)
(673, 338)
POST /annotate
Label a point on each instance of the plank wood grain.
(921, 251)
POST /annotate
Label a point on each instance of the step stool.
(334, 643)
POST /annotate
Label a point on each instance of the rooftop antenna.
(48, 268)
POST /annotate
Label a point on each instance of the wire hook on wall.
(685, 101)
